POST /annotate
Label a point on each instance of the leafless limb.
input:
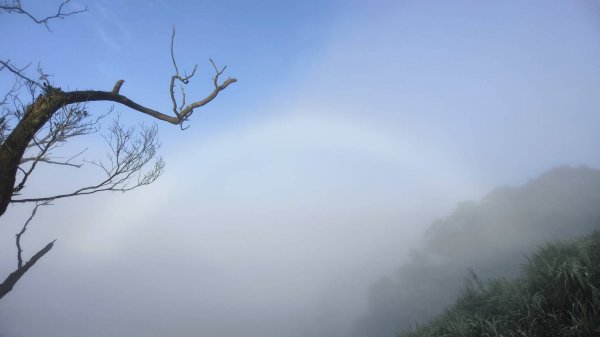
(182, 111)
(15, 7)
(55, 162)
(37, 118)
(66, 113)
(11, 280)
(125, 165)
(19, 72)
(7, 285)
(23, 229)
(6, 114)
(69, 122)
(184, 81)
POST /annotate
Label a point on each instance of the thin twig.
(19, 73)
(23, 229)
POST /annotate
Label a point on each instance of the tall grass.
(558, 294)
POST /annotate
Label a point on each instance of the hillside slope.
(492, 237)
(557, 295)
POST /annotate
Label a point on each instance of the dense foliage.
(558, 294)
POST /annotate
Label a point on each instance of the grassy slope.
(492, 236)
(558, 294)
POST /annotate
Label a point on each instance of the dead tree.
(37, 118)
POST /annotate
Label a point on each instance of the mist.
(492, 237)
(306, 201)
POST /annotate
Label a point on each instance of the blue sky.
(354, 124)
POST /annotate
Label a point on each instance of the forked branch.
(17, 140)
(181, 110)
(12, 279)
(69, 122)
(125, 165)
(15, 7)
(7, 285)
(23, 229)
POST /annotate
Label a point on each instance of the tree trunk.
(11, 152)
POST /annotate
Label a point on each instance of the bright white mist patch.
(290, 153)
(284, 168)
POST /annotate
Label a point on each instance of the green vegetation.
(492, 235)
(558, 294)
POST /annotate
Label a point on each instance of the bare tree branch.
(23, 229)
(38, 118)
(53, 162)
(181, 116)
(117, 86)
(69, 122)
(19, 72)
(15, 7)
(42, 113)
(177, 110)
(12, 279)
(130, 152)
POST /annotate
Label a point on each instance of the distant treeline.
(491, 237)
